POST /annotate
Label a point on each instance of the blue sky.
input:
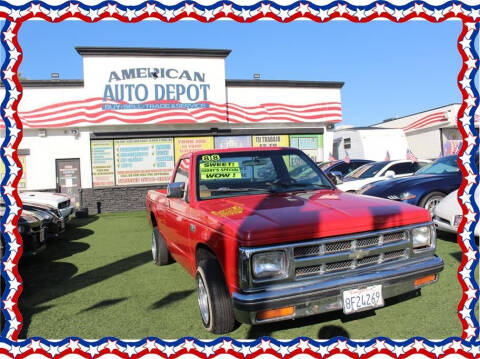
(389, 70)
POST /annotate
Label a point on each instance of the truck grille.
(332, 256)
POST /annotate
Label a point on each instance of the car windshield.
(240, 173)
(325, 165)
(366, 171)
(442, 165)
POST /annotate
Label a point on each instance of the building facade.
(432, 133)
(109, 137)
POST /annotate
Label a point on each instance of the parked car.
(379, 171)
(341, 167)
(52, 218)
(60, 201)
(32, 230)
(448, 213)
(268, 242)
(426, 188)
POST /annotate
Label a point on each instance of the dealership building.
(109, 137)
(431, 133)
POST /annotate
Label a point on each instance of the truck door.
(177, 218)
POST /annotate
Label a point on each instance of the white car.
(57, 200)
(448, 213)
(379, 171)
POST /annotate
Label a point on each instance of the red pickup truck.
(268, 237)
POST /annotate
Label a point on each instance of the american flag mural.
(433, 119)
(94, 111)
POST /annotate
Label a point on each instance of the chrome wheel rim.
(154, 247)
(203, 301)
(431, 203)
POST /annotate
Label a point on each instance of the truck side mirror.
(335, 177)
(175, 190)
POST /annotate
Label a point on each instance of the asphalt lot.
(98, 280)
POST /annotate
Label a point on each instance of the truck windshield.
(239, 173)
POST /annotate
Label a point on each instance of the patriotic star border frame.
(466, 346)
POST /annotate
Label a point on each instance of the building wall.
(57, 144)
(356, 145)
(425, 144)
(443, 116)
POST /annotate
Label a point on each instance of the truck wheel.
(160, 253)
(431, 200)
(213, 298)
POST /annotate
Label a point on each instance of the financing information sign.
(102, 163)
(143, 160)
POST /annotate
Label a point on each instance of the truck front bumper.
(324, 295)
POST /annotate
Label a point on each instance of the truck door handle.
(193, 228)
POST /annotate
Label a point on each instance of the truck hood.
(287, 217)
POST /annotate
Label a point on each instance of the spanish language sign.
(191, 144)
(143, 161)
(102, 163)
(270, 141)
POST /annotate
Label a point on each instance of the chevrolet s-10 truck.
(268, 237)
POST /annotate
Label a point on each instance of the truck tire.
(430, 200)
(160, 253)
(213, 298)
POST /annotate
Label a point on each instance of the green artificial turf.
(98, 280)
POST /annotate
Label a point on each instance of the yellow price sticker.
(208, 158)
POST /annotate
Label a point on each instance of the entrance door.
(68, 178)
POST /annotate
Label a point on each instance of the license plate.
(456, 220)
(357, 300)
(62, 224)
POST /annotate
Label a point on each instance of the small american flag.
(331, 157)
(347, 157)
(387, 157)
(411, 156)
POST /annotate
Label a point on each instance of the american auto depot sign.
(176, 84)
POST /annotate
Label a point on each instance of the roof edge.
(283, 83)
(52, 83)
(150, 51)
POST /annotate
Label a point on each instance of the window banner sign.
(312, 145)
(233, 141)
(191, 144)
(270, 141)
(102, 163)
(143, 161)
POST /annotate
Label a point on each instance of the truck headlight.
(269, 265)
(422, 237)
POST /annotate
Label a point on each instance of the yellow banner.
(191, 144)
(270, 141)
